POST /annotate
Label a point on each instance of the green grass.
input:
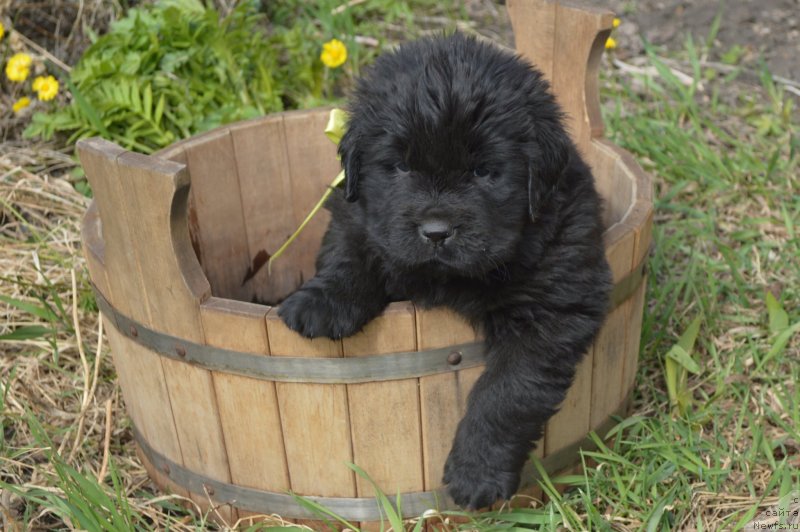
(726, 166)
(716, 425)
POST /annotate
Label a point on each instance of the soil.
(749, 30)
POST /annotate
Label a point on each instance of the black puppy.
(463, 189)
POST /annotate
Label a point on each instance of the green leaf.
(778, 318)
(779, 344)
(679, 355)
(28, 332)
(391, 512)
(147, 104)
(322, 511)
(36, 310)
(87, 110)
(523, 516)
(677, 362)
(134, 97)
(159, 110)
(687, 339)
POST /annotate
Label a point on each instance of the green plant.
(174, 68)
(391, 511)
(80, 499)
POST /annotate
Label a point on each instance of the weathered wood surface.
(248, 407)
(224, 251)
(384, 416)
(565, 40)
(154, 278)
(314, 417)
(264, 175)
(443, 397)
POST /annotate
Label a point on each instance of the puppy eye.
(481, 172)
(402, 167)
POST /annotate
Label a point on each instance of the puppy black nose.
(436, 231)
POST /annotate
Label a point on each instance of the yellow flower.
(2, 31)
(47, 87)
(334, 53)
(611, 43)
(21, 104)
(18, 67)
(616, 23)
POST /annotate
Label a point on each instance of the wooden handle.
(565, 39)
(154, 275)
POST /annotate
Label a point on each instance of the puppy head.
(453, 146)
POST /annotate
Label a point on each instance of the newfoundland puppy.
(464, 190)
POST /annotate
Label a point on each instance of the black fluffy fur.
(460, 132)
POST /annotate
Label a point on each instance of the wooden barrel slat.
(632, 338)
(98, 158)
(573, 420)
(140, 371)
(607, 358)
(615, 187)
(442, 396)
(534, 42)
(153, 189)
(384, 416)
(263, 168)
(248, 407)
(313, 165)
(251, 184)
(94, 249)
(218, 206)
(576, 32)
(145, 392)
(315, 419)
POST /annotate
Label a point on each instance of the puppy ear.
(546, 165)
(351, 162)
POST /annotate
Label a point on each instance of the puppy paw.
(312, 314)
(474, 483)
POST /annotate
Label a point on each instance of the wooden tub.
(229, 406)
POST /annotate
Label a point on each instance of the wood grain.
(248, 407)
(315, 419)
(442, 396)
(313, 166)
(534, 25)
(140, 373)
(573, 420)
(94, 249)
(263, 168)
(384, 416)
(218, 204)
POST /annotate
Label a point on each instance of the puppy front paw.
(312, 314)
(473, 481)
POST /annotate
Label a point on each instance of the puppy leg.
(530, 366)
(346, 293)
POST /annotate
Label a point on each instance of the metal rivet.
(181, 351)
(454, 358)
(134, 332)
(166, 469)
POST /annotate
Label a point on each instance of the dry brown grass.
(66, 380)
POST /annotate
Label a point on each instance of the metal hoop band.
(393, 366)
(352, 509)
